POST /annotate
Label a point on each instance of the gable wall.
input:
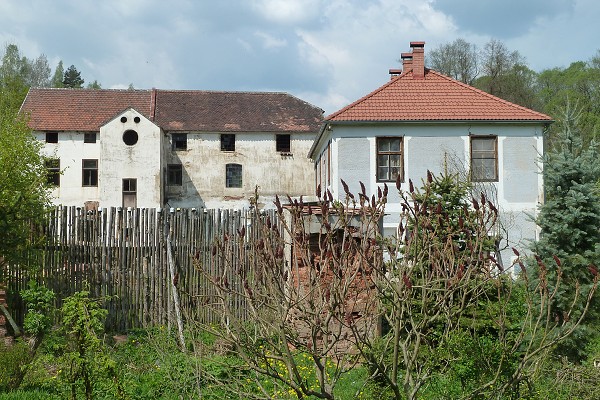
(141, 161)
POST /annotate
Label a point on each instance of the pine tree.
(569, 221)
(72, 78)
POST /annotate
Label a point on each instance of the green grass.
(149, 365)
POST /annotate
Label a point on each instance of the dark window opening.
(89, 173)
(484, 159)
(389, 159)
(179, 141)
(174, 174)
(51, 137)
(228, 142)
(123, 119)
(233, 176)
(53, 172)
(89, 137)
(136, 120)
(130, 137)
(283, 143)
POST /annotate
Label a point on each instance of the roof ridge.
(221, 91)
(87, 89)
(476, 90)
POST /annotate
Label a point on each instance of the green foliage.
(445, 207)
(569, 220)
(29, 395)
(12, 359)
(94, 85)
(39, 302)
(23, 194)
(579, 85)
(57, 78)
(72, 78)
(83, 321)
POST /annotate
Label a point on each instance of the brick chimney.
(407, 61)
(418, 59)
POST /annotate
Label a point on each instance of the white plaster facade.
(139, 145)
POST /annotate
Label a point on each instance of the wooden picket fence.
(121, 256)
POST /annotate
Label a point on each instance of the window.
(283, 143)
(228, 142)
(130, 192)
(89, 172)
(484, 158)
(51, 137)
(389, 159)
(233, 176)
(53, 172)
(174, 174)
(89, 137)
(179, 141)
(130, 137)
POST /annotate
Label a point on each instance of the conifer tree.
(72, 78)
(569, 220)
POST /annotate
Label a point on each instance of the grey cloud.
(502, 19)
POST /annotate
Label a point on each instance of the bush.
(12, 359)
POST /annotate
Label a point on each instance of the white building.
(157, 148)
(422, 120)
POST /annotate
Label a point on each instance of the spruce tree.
(72, 78)
(569, 221)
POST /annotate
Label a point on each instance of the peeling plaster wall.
(204, 170)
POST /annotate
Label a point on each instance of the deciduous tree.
(59, 75)
(23, 195)
(458, 60)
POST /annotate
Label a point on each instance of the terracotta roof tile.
(435, 98)
(81, 109)
(191, 110)
(235, 112)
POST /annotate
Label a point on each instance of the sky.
(326, 52)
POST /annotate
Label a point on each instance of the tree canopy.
(72, 78)
(23, 193)
(569, 244)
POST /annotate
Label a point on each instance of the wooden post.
(174, 291)
(12, 323)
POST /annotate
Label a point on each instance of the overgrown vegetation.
(348, 314)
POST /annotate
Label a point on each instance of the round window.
(130, 137)
(123, 119)
(136, 120)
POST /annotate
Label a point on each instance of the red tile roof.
(80, 109)
(185, 110)
(235, 112)
(435, 98)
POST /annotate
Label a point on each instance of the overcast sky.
(327, 52)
